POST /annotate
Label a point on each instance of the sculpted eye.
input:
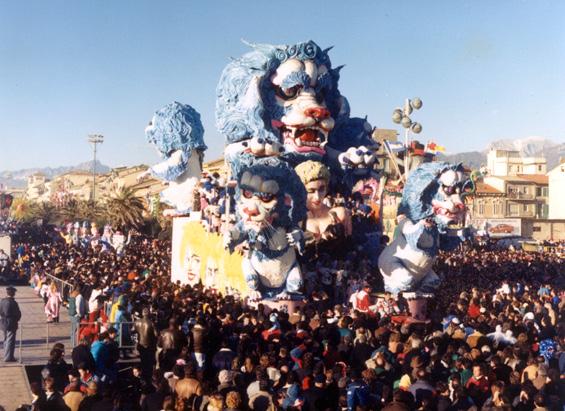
(266, 198)
(247, 194)
(287, 93)
(449, 190)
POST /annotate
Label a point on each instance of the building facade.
(511, 163)
(556, 182)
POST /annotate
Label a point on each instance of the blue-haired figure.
(432, 201)
(284, 100)
(271, 204)
(177, 133)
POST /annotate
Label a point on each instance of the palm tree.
(81, 210)
(90, 210)
(124, 209)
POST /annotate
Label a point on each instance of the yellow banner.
(200, 255)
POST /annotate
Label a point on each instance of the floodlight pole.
(94, 139)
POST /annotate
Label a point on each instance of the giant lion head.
(435, 190)
(287, 94)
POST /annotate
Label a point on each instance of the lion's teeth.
(298, 142)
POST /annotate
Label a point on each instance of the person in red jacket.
(474, 309)
(478, 385)
(364, 299)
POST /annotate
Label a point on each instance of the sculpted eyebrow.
(295, 78)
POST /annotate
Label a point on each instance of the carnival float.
(289, 142)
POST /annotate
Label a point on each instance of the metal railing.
(33, 342)
(63, 286)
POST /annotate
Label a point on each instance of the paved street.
(37, 337)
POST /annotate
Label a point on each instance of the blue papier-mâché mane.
(177, 133)
(286, 95)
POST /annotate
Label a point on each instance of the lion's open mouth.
(304, 139)
(455, 217)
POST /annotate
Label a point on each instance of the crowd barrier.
(26, 337)
(63, 286)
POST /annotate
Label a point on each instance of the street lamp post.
(402, 116)
(94, 139)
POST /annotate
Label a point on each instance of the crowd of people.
(495, 339)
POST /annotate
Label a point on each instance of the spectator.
(147, 343)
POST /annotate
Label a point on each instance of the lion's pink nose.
(319, 113)
(251, 213)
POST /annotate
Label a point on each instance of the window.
(481, 208)
(539, 167)
(536, 229)
(525, 207)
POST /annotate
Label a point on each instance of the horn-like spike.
(248, 43)
(261, 47)
(327, 49)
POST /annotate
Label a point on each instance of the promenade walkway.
(37, 338)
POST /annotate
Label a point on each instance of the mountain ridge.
(533, 146)
(18, 178)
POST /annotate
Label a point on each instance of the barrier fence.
(28, 340)
(63, 286)
(127, 337)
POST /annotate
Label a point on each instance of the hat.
(529, 316)
(319, 379)
(11, 289)
(455, 320)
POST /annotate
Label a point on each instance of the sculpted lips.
(452, 215)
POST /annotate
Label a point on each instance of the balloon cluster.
(401, 116)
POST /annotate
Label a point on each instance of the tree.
(22, 210)
(81, 210)
(44, 211)
(124, 209)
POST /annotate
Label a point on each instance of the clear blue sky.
(484, 69)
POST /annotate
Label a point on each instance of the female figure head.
(315, 176)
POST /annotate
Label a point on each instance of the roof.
(540, 179)
(218, 162)
(557, 169)
(483, 188)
